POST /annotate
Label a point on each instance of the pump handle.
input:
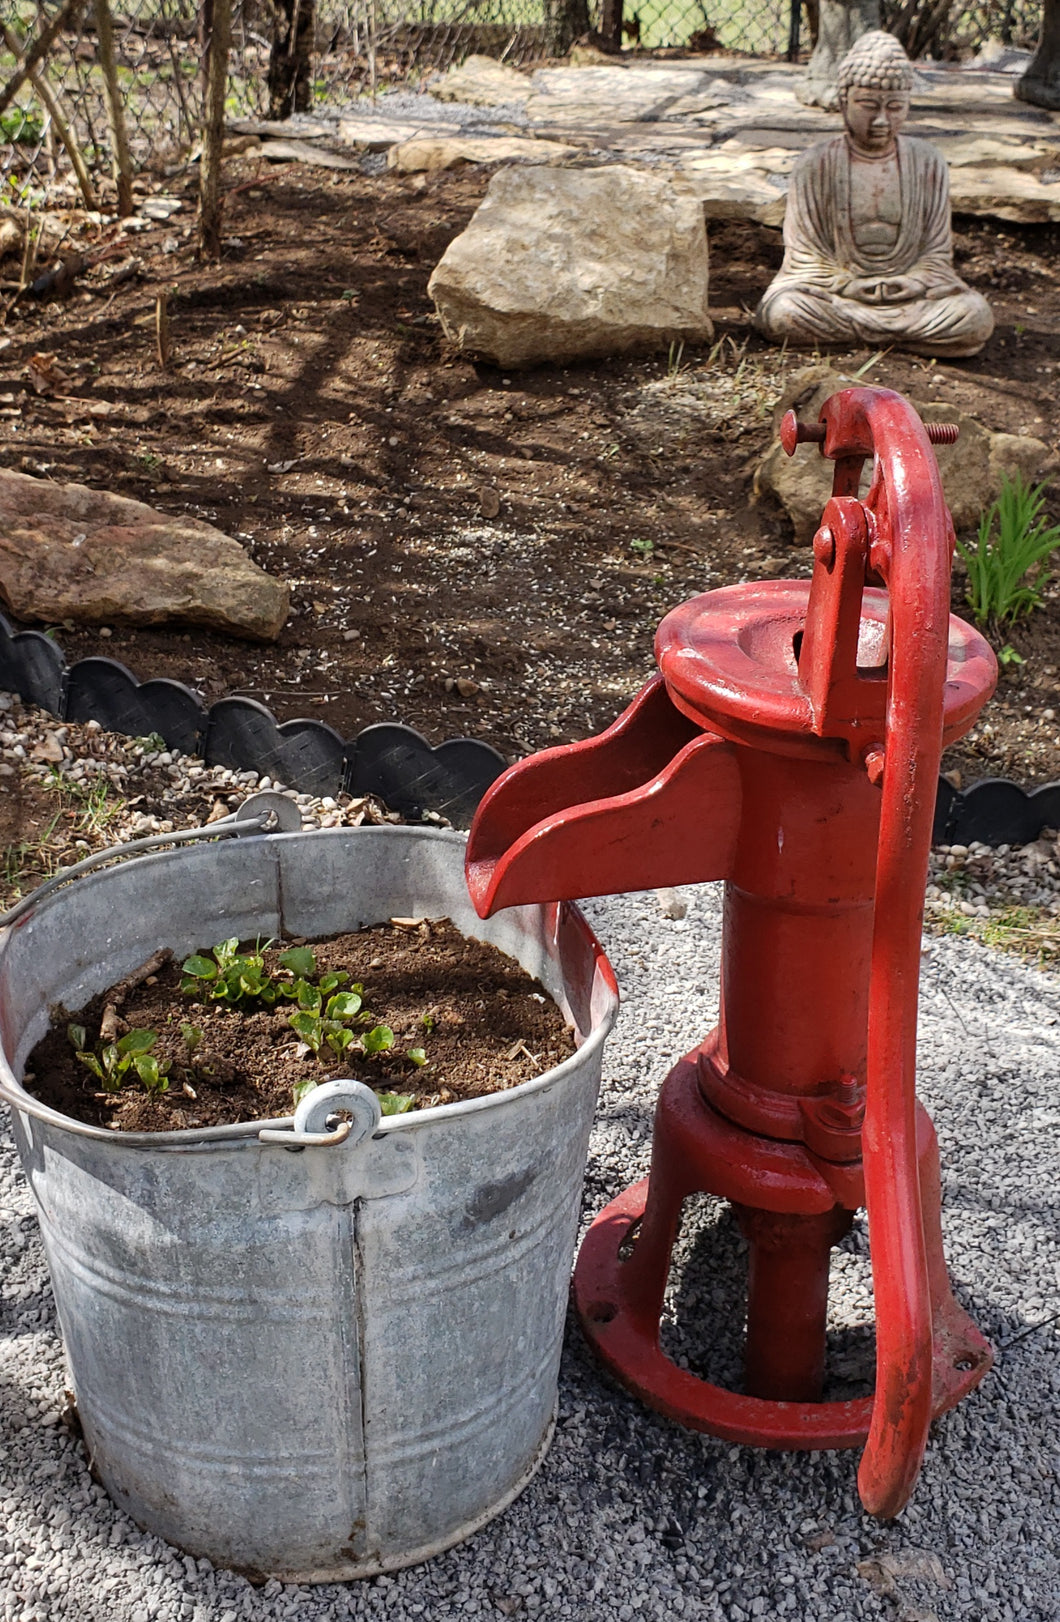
(911, 551)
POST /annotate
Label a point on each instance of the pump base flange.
(619, 1300)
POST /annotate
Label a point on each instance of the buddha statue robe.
(868, 255)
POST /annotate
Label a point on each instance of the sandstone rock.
(988, 151)
(615, 93)
(304, 152)
(588, 55)
(483, 82)
(971, 470)
(376, 134)
(71, 553)
(745, 195)
(429, 152)
(1005, 194)
(559, 264)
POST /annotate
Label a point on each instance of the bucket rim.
(565, 915)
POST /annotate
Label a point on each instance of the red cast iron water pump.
(790, 746)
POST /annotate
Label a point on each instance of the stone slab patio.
(731, 126)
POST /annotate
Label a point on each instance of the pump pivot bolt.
(824, 547)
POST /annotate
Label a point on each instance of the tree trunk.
(1041, 82)
(213, 131)
(565, 21)
(611, 21)
(290, 74)
(123, 167)
(840, 23)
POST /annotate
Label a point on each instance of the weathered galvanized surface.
(324, 1363)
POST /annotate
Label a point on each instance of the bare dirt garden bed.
(472, 552)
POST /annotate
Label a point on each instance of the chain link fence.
(292, 55)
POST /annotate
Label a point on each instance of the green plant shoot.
(1007, 572)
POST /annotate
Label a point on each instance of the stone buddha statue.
(868, 255)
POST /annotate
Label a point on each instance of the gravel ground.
(629, 1515)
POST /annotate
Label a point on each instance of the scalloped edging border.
(389, 759)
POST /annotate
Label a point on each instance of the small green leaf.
(137, 1041)
(339, 1039)
(93, 1064)
(395, 1103)
(329, 982)
(377, 1039)
(151, 1073)
(416, 1056)
(308, 996)
(189, 986)
(344, 1005)
(225, 951)
(192, 1036)
(201, 967)
(309, 1029)
(78, 1035)
(300, 960)
(428, 1022)
(301, 1088)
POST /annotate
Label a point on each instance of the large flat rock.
(1005, 194)
(481, 81)
(429, 152)
(560, 264)
(71, 553)
(612, 95)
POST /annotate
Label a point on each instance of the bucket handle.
(359, 1104)
(263, 813)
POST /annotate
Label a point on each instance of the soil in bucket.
(241, 1031)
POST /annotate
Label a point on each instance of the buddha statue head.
(875, 83)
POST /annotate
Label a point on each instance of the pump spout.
(653, 801)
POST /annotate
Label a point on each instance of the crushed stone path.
(629, 1516)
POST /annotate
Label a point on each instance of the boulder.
(71, 553)
(560, 264)
(972, 469)
(483, 82)
(429, 152)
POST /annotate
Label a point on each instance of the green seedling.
(417, 1056)
(192, 1037)
(115, 1059)
(395, 1103)
(1008, 656)
(318, 1030)
(389, 1103)
(377, 1040)
(1007, 568)
(239, 978)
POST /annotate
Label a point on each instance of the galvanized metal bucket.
(336, 1361)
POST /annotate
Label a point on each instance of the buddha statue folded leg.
(805, 316)
(959, 323)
